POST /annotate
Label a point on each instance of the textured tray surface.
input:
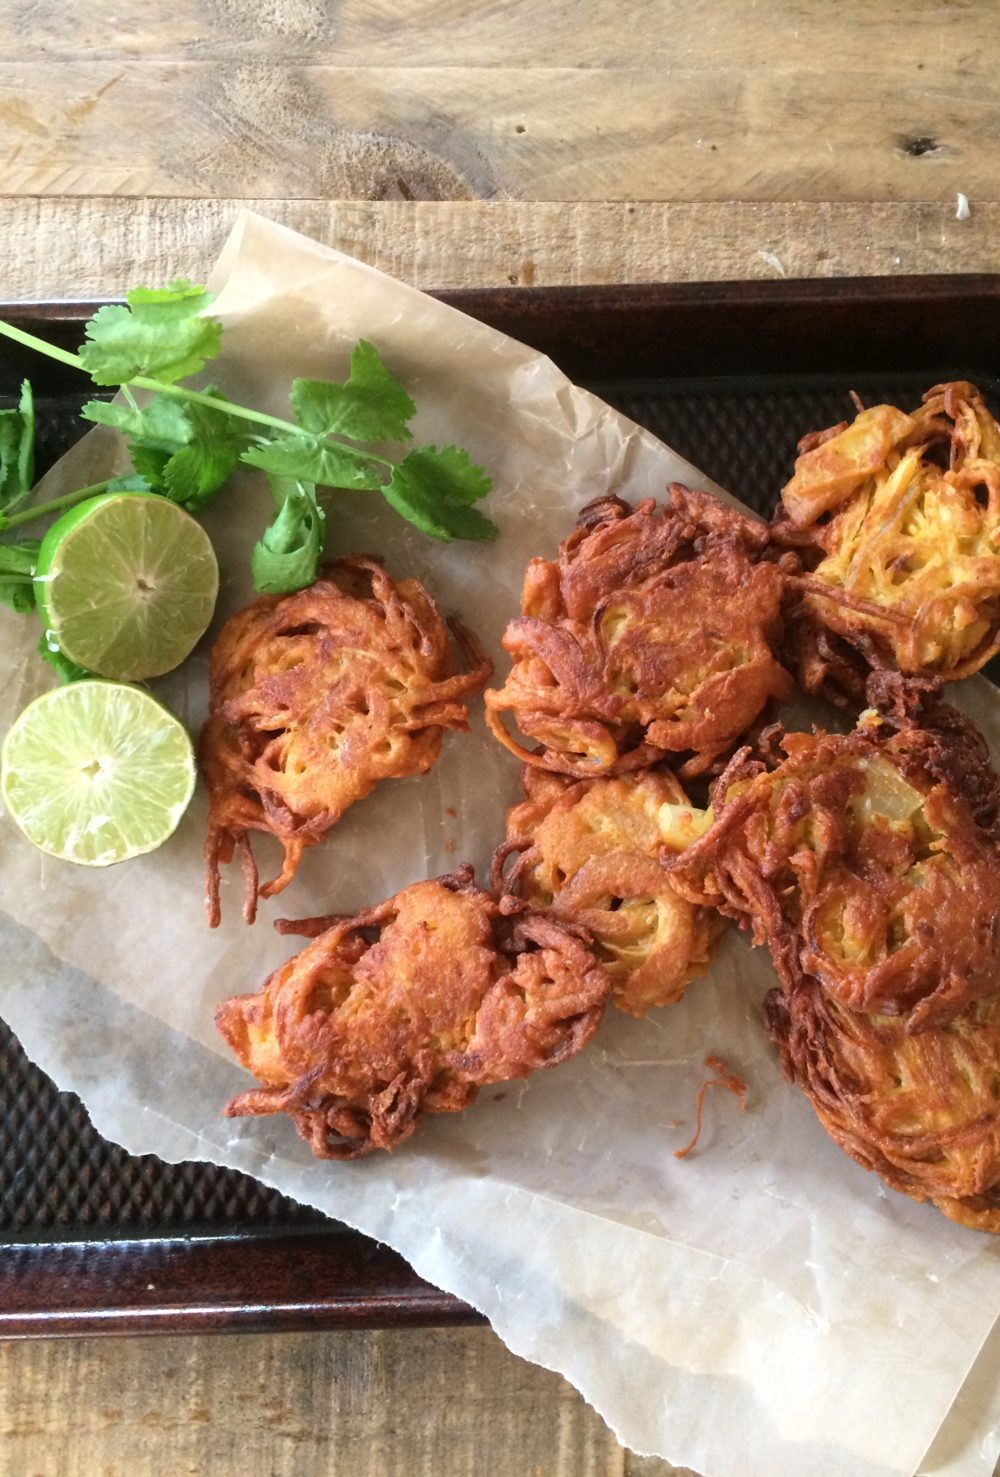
(59, 1180)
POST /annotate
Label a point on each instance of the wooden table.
(453, 144)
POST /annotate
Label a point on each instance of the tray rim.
(199, 1283)
(904, 286)
(202, 1284)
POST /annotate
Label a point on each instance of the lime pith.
(126, 584)
(97, 772)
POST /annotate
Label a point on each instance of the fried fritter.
(650, 635)
(588, 850)
(868, 863)
(897, 518)
(921, 1110)
(411, 1007)
(317, 696)
(859, 860)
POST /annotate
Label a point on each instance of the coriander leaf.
(149, 464)
(18, 595)
(17, 451)
(155, 431)
(17, 566)
(433, 490)
(371, 406)
(68, 671)
(217, 442)
(184, 451)
(26, 450)
(133, 482)
(470, 524)
(19, 558)
(310, 459)
(287, 556)
(159, 335)
(10, 437)
(163, 424)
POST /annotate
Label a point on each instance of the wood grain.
(934, 36)
(263, 129)
(382, 98)
(293, 1405)
(938, 37)
(98, 247)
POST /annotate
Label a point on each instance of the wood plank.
(855, 35)
(59, 249)
(274, 131)
(387, 1404)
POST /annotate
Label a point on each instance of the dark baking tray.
(730, 374)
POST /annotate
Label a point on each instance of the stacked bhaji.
(644, 652)
(660, 797)
(868, 862)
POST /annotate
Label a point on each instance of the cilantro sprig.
(17, 568)
(17, 451)
(185, 443)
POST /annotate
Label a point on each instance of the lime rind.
(97, 773)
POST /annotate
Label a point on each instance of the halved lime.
(97, 772)
(126, 584)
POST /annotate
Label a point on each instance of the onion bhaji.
(588, 850)
(411, 1007)
(868, 862)
(897, 520)
(651, 634)
(317, 696)
(921, 1109)
(859, 858)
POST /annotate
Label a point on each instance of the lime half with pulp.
(97, 772)
(126, 584)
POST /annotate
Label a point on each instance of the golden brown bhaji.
(921, 1110)
(650, 635)
(897, 518)
(859, 860)
(317, 696)
(588, 850)
(408, 1008)
(868, 863)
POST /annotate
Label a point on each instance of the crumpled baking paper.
(762, 1306)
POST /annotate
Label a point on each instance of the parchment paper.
(764, 1305)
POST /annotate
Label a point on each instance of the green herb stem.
(57, 504)
(142, 382)
(243, 412)
(41, 345)
(178, 392)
